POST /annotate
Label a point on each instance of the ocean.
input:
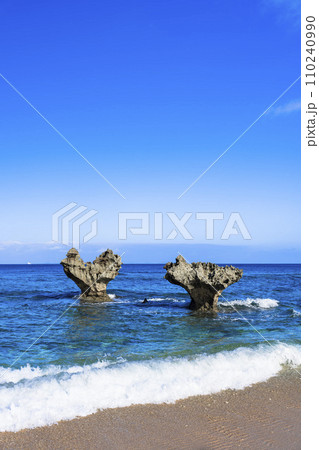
(87, 357)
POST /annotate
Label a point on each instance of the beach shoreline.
(264, 415)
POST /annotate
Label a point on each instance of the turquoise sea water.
(124, 352)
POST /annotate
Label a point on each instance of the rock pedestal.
(92, 278)
(203, 281)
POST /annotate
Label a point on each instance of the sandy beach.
(265, 415)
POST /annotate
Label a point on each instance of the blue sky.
(151, 93)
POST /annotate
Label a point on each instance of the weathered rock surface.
(92, 278)
(203, 281)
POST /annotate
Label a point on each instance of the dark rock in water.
(145, 300)
(92, 278)
(203, 281)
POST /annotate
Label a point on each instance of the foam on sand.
(31, 397)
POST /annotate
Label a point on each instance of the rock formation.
(203, 281)
(92, 278)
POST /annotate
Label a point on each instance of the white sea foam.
(35, 397)
(264, 303)
(167, 299)
(28, 372)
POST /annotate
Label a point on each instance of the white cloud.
(7, 244)
(44, 245)
(287, 108)
(286, 9)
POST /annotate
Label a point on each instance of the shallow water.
(124, 352)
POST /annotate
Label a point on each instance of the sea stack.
(92, 278)
(203, 281)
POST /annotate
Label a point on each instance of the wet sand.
(265, 415)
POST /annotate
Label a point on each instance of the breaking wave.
(167, 299)
(264, 303)
(33, 396)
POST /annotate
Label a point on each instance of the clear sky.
(151, 93)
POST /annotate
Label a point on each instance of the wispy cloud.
(287, 108)
(286, 9)
(17, 252)
(30, 245)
